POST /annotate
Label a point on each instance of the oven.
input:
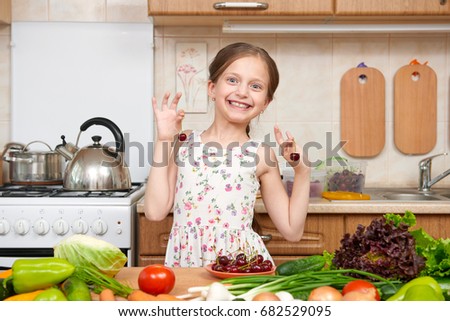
(33, 219)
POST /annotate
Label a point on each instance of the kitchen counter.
(184, 278)
(320, 205)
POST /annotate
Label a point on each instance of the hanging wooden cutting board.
(363, 112)
(415, 107)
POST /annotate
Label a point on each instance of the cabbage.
(84, 250)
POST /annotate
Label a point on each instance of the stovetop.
(29, 195)
(59, 191)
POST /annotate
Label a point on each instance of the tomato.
(156, 279)
(361, 286)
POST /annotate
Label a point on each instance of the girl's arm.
(288, 214)
(160, 189)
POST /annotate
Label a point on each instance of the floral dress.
(214, 200)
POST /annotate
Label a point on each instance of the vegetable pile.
(383, 248)
(387, 260)
(82, 266)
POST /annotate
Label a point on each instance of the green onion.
(246, 287)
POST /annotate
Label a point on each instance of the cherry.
(294, 157)
(182, 137)
(223, 260)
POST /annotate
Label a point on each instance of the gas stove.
(33, 219)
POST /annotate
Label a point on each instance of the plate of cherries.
(240, 264)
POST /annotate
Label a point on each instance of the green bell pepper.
(424, 288)
(51, 294)
(35, 274)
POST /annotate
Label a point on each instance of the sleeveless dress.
(214, 200)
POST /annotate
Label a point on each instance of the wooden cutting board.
(415, 108)
(363, 112)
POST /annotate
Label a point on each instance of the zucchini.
(76, 289)
(6, 288)
(310, 263)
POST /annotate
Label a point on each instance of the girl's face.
(240, 93)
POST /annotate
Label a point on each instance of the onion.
(325, 293)
(266, 296)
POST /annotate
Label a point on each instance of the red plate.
(225, 275)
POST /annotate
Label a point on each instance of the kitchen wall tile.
(166, 55)
(29, 10)
(127, 11)
(4, 134)
(77, 10)
(5, 80)
(304, 93)
(5, 30)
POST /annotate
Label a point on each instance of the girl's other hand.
(288, 148)
(168, 119)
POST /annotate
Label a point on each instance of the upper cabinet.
(392, 7)
(5, 11)
(214, 12)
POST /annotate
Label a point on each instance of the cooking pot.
(95, 167)
(33, 167)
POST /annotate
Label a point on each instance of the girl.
(210, 178)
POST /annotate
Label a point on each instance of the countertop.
(184, 278)
(320, 205)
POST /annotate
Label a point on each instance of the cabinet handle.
(241, 5)
(266, 238)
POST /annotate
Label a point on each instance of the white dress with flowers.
(213, 208)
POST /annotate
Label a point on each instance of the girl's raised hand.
(289, 149)
(168, 119)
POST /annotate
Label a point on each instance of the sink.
(410, 197)
(394, 194)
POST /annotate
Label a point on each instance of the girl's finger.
(175, 101)
(165, 100)
(154, 104)
(278, 135)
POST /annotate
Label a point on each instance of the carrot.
(107, 295)
(139, 295)
(6, 273)
(167, 297)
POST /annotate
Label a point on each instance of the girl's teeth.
(239, 105)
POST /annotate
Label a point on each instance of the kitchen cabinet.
(192, 12)
(210, 12)
(5, 12)
(392, 7)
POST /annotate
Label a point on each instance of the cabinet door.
(153, 236)
(437, 225)
(5, 11)
(210, 7)
(322, 232)
(392, 7)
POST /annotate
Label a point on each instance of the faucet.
(425, 180)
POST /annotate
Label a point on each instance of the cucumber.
(310, 263)
(76, 289)
(6, 288)
(444, 284)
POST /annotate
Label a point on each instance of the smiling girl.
(210, 178)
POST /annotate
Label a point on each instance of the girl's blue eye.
(256, 86)
(232, 80)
